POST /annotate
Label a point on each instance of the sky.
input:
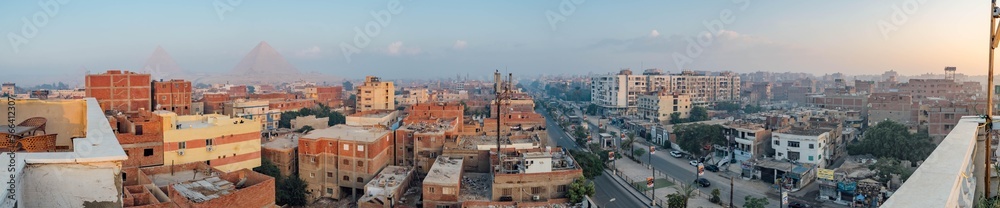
(62, 39)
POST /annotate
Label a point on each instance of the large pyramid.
(264, 60)
(161, 66)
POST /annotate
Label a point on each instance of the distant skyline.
(429, 39)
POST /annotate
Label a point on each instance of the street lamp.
(609, 202)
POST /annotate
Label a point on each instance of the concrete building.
(534, 175)
(7, 89)
(225, 143)
(173, 95)
(895, 106)
(119, 90)
(257, 110)
(442, 184)
(374, 94)
(618, 94)
(282, 151)
(805, 145)
(383, 118)
(339, 161)
(942, 118)
(750, 140)
(311, 120)
(759, 92)
(658, 106)
(387, 188)
(197, 108)
(54, 179)
(856, 102)
(411, 96)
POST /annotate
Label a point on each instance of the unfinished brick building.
(141, 136)
(282, 152)
(215, 102)
(330, 96)
(339, 161)
(119, 90)
(197, 185)
(173, 95)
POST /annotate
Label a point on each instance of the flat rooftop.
(476, 187)
(814, 131)
(373, 113)
(445, 171)
(474, 142)
(386, 182)
(164, 179)
(288, 141)
(439, 126)
(205, 189)
(348, 133)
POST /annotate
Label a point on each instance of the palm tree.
(685, 191)
(628, 143)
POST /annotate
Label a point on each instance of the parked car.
(702, 182)
(712, 168)
(676, 154)
(693, 162)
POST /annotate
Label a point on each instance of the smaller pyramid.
(161, 66)
(264, 60)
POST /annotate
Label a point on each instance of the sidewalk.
(632, 172)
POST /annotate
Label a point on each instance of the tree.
(679, 199)
(675, 118)
(292, 192)
(698, 113)
(251, 89)
(753, 202)
(580, 188)
(580, 134)
(592, 165)
(891, 139)
(715, 196)
(727, 106)
(269, 169)
(305, 129)
(887, 166)
(348, 85)
(593, 109)
(693, 138)
(638, 152)
(627, 143)
(752, 109)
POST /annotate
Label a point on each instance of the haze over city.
(427, 39)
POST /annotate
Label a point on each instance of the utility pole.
(989, 99)
(652, 149)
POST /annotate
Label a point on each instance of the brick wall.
(173, 95)
(259, 192)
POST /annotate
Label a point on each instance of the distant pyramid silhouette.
(263, 59)
(161, 66)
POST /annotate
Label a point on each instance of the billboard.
(824, 174)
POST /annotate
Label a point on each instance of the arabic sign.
(824, 174)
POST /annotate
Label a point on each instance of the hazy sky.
(425, 39)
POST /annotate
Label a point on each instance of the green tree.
(727, 106)
(675, 118)
(679, 199)
(592, 165)
(580, 188)
(752, 109)
(715, 196)
(638, 152)
(753, 202)
(348, 85)
(698, 113)
(580, 135)
(269, 169)
(693, 138)
(891, 139)
(627, 143)
(887, 166)
(292, 192)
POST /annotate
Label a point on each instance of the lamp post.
(652, 188)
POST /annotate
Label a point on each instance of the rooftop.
(348, 133)
(476, 187)
(289, 141)
(386, 182)
(204, 189)
(440, 126)
(445, 171)
(373, 113)
(485, 142)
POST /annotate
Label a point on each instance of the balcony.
(951, 175)
(88, 175)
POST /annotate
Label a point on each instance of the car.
(797, 205)
(676, 154)
(693, 162)
(702, 182)
(712, 168)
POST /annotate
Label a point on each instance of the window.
(329, 191)
(562, 188)
(447, 190)
(810, 146)
(810, 158)
(182, 145)
(347, 162)
(776, 142)
(793, 155)
(793, 144)
(209, 142)
(507, 192)
(361, 163)
(361, 148)
(329, 174)
(536, 190)
(312, 175)
(947, 127)
(430, 189)
(346, 178)
(361, 180)
(147, 152)
(347, 147)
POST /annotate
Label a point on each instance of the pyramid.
(161, 66)
(264, 60)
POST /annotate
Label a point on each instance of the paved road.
(607, 189)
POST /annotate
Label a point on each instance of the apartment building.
(374, 94)
(214, 103)
(618, 94)
(119, 90)
(895, 106)
(443, 182)
(658, 106)
(173, 95)
(750, 140)
(806, 145)
(534, 175)
(258, 111)
(7, 89)
(225, 143)
(387, 188)
(331, 96)
(339, 161)
(282, 152)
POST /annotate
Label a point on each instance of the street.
(606, 188)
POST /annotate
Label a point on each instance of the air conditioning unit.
(210, 148)
(180, 152)
(536, 198)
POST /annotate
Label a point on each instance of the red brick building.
(120, 90)
(330, 96)
(197, 185)
(173, 95)
(291, 105)
(215, 103)
(239, 91)
(341, 160)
